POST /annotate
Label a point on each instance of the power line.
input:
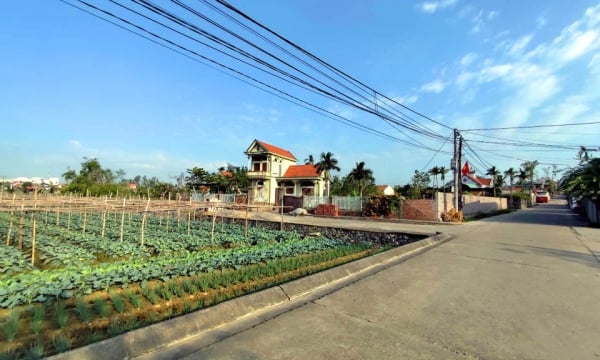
(271, 90)
(533, 126)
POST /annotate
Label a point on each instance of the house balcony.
(258, 174)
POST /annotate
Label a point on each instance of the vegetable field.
(74, 271)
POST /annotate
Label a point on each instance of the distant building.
(273, 173)
(386, 190)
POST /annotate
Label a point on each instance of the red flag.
(465, 169)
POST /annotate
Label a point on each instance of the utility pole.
(459, 167)
(455, 166)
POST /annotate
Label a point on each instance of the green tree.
(325, 166)
(435, 171)
(309, 160)
(583, 181)
(522, 176)
(363, 176)
(419, 183)
(584, 154)
(529, 167)
(494, 173)
(443, 171)
(510, 173)
(197, 177)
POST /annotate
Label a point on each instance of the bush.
(381, 205)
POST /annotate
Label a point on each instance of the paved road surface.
(524, 285)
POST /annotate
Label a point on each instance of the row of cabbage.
(66, 244)
(40, 285)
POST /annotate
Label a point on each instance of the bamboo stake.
(188, 223)
(246, 226)
(46, 221)
(144, 221)
(178, 218)
(21, 221)
(57, 216)
(104, 217)
(122, 219)
(212, 231)
(10, 224)
(69, 219)
(84, 221)
(168, 217)
(33, 238)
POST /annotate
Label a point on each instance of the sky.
(75, 86)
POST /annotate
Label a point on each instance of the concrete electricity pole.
(455, 166)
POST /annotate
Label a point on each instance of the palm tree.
(361, 174)
(529, 167)
(325, 165)
(584, 154)
(443, 172)
(511, 177)
(493, 172)
(523, 176)
(309, 160)
(435, 171)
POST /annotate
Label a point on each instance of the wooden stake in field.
(246, 226)
(168, 220)
(10, 224)
(21, 221)
(122, 219)
(212, 231)
(104, 217)
(84, 221)
(189, 222)
(144, 221)
(33, 238)
(57, 212)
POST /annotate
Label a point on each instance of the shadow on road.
(542, 214)
(567, 255)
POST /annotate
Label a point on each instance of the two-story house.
(273, 173)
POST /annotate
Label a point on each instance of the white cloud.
(594, 64)
(580, 44)
(518, 46)
(406, 100)
(541, 21)
(431, 7)
(493, 14)
(468, 59)
(74, 143)
(436, 86)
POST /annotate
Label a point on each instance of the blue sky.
(72, 85)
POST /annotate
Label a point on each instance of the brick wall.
(422, 209)
(327, 210)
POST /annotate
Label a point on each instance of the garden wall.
(349, 235)
(472, 205)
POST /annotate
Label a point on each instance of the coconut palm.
(510, 173)
(584, 154)
(493, 172)
(523, 175)
(529, 167)
(443, 172)
(435, 171)
(325, 165)
(361, 175)
(309, 160)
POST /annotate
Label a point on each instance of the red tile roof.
(276, 150)
(479, 180)
(301, 171)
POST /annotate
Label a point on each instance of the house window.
(256, 166)
(264, 166)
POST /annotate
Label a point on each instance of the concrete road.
(524, 285)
